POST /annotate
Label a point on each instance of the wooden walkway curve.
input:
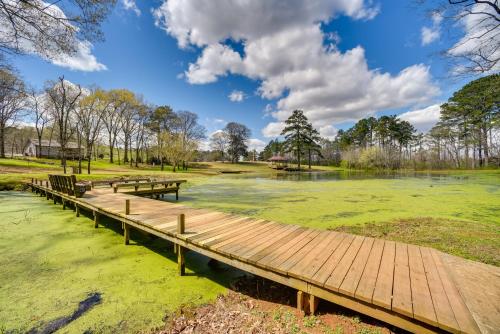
(415, 288)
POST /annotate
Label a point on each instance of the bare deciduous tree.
(476, 25)
(90, 114)
(50, 28)
(12, 101)
(64, 98)
(37, 103)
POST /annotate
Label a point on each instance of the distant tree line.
(467, 136)
(116, 119)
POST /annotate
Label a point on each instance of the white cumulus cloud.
(273, 129)
(82, 60)
(432, 33)
(284, 50)
(255, 144)
(131, 5)
(423, 119)
(236, 96)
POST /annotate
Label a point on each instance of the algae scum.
(458, 213)
(52, 261)
(60, 274)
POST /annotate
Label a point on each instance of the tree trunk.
(486, 149)
(2, 141)
(63, 157)
(309, 158)
(110, 149)
(298, 158)
(137, 156)
(125, 153)
(89, 157)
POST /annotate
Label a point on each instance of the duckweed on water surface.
(458, 213)
(51, 261)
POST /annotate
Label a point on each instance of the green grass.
(51, 261)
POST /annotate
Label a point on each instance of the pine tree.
(295, 132)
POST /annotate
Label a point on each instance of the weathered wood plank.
(309, 265)
(353, 276)
(286, 266)
(462, 313)
(366, 285)
(444, 313)
(338, 274)
(423, 309)
(327, 268)
(401, 291)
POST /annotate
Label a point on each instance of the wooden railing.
(122, 180)
(151, 188)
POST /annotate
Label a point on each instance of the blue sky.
(154, 60)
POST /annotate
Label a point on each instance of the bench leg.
(96, 219)
(177, 195)
(63, 203)
(77, 210)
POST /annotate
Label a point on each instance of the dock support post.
(181, 222)
(307, 303)
(127, 206)
(313, 304)
(96, 219)
(126, 234)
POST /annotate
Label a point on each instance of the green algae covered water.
(50, 261)
(331, 199)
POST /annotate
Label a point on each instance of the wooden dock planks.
(401, 290)
(403, 279)
(366, 285)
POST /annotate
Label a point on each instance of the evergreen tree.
(296, 134)
(312, 144)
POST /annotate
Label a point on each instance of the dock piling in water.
(181, 224)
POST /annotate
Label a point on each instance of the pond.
(330, 199)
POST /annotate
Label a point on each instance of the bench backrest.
(63, 183)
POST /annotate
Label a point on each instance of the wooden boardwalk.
(415, 288)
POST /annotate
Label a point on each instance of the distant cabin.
(50, 149)
(278, 162)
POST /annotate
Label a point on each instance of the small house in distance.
(50, 149)
(278, 162)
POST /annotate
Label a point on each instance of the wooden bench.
(152, 188)
(120, 180)
(67, 184)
